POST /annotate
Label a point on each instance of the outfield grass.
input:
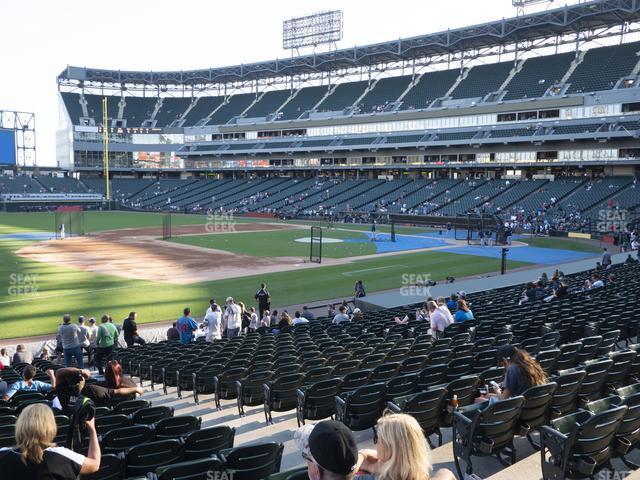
(34, 295)
(561, 244)
(281, 243)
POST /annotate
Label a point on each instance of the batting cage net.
(166, 226)
(315, 250)
(69, 222)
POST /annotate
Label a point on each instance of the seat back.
(364, 406)
(176, 427)
(566, 393)
(119, 439)
(498, 421)
(537, 402)
(207, 441)
(353, 380)
(252, 461)
(150, 415)
(202, 469)
(426, 407)
(111, 468)
(144, 458)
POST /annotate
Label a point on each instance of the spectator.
(357, 315)
(402, 452)
(21, 355)
(264, 299)
(29, 384)
(130, 329)
(83, 335)
(341, 316)
(442, 306)
(521, 372)
(105, 340)
(253, 320)
(299, 319)
(331, 452)
(72, 382)
(452, 302)
(606, 258)
(245, 316)
(36, 456)
(438, 319)
(308, 314)
(232, 318)
(92, 332)
(213, 323)
(359, 290)
(5, 359)
(463, 313)
(274, 318)
(173, 334)
(70, 342)
(114, 379)
(559, 293)
(422, 313)
(265, 321)
(186, 326)
(596, 281)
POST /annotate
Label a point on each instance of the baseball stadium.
(318, 255)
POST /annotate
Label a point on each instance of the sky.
(42, 37)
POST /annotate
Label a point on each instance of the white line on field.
(371, 269)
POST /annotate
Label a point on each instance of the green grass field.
(562, 244)
(34, 295)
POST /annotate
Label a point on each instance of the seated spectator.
(559, 293)
(265, 321)
(299, 319)
(284, 323)
(522, 371)
(173, 335)
(357, 315)
(71, 382)
(422, 313)
(308, 314)
(29, 384)
(21, 355)
(463, 313)
(630, 260)
(438, 319)
(5, 359)
(342, 315)
(586, 285)
(114, 379)
(37, 457)
(331, 452)
(401, 453)
(442, 306)
(452, 302)
(596, 281)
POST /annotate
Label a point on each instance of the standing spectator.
(105, 340)
(341, 316)
(93, 337)
(186, 326)
(233, 318)
(70, 342)
(37, 457)
(264, 299)
(21, 355)
(173, 334)
(253, 320)
(265, 321)
(606, 258)
(213, 323)
(83, 335)
(463, 313)
(130, 329)
(5, 359)
(359, 290)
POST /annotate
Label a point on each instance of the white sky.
(41, 37)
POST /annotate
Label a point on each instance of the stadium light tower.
(521, 5)
(323, 28)
(105, 150)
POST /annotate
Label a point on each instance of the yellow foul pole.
(105, 142)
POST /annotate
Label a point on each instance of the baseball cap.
(229, 299)
(505, 351)
(333, 447)
(92, 320)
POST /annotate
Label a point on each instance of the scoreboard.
(7, 147)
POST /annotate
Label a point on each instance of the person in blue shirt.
(452, 303)
(29, 384)
(463, 313)
(186, 326)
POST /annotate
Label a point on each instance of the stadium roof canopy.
(563, 21)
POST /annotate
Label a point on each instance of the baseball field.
(123, 264)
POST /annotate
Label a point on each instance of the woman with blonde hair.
(36, 457)
(402, 452)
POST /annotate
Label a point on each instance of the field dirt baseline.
(139, 253)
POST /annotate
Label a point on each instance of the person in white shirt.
(253, 323)
(596, 281)
(266, 319)
(298, 319)
(213, 323)
(442, 306)
(92, 336)
(438, 319)
(5, 359)
(233, 318)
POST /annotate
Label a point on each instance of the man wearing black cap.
(332, 453)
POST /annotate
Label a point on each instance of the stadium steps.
(523, 196)
(463, 75)
(159, 104)
(412, 84)
(146, 187)
(578, 60)
(189, 198)
(174, 193)
(636, 69)
(382, 194)
(371, 86)
(514, 71)
(437, 195)
(281, 195)
(255, 101)
(252, 187)
(291, 97)
(83, 103)
(180, 121)
(214, 191)
(603, 200)
(463, 194)
(319, 102)
(496, 195)
(410, 188)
